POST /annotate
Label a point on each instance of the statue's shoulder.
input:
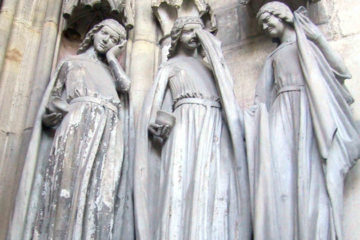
(284, 47)
(178, 62)
(171, 67)
(169, 64)
(71, 61)
(177, 59)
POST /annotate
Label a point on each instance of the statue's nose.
(264, 26)
(105, 39)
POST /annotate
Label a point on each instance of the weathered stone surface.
(183, 175)
(351, 55)
(245, 62)
(347, 46)
(143, 58)
(245, 51)
(339, 22)
(344, 15)
(15, 87)
(216, 4)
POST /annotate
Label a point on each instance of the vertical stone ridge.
(41, 76)
(17, 68)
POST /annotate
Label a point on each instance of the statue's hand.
(115, 51)
(159, 130)
(253, 108)
(51, 119)
(312, 32)
(60, 105)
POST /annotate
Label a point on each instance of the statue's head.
(273, 17)
(103, 36)
(184, 31)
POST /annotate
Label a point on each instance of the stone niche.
(244, 43)
(81, 15)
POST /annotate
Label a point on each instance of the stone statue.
(301, 137)
(191, 179)
(86, 172)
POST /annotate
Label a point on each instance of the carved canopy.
(167, 17)
(202, 5)
(81, 15)
(293, 4)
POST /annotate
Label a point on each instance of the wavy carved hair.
(89, 38)
(177, 30)
(279, 10)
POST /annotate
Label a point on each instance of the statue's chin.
(100, 50)
(192, 46)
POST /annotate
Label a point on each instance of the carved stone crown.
(182, 21)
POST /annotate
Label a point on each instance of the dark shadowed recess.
(82, 15)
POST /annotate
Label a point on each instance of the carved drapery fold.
(81, 15)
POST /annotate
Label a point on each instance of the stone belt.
(99, 101)
(199, 101)
(290, 88)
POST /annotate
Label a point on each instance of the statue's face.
(188, 37)
(105, 39)
(273, 26)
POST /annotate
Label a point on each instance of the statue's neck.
(92, 54)
(289, 35)
(183, 51)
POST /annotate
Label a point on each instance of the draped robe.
(77, 179)
(301, 142)
(196, 185)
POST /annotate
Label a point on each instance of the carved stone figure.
(167, 11)
(86, 176)
(301, 137)
(191, 179)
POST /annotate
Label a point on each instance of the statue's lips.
(269, 29)
(193, 40)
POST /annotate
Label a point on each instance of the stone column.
(144, 54)
(7, 13)
(19, 67)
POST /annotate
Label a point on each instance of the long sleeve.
(122, 81)
(264, 87)
(57, 103)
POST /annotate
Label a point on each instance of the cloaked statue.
(191, 179)
(301, 137)
(83, 182)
